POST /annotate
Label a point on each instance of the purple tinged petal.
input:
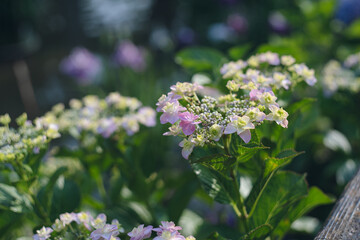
(246, 136)
(188, 129)
(284, 123)
(255, 94)
(230, 128)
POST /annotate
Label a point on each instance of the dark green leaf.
(258, 233)
(281, 159)
(272, 164)
(218, 186)
(245, 151)
(283, 191)
(66, 198)
(314, 198)
(44, 194)
(213, 156)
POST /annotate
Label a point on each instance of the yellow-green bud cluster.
(27, 139)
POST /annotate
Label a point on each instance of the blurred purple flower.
(278, 23)
(238, 23)
(186, 36)
(147, 116)
(36, 150)
(129, 55)
(107, 127)
(81, 65)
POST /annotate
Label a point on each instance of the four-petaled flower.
(255, 114)
(107, 232)
(171, 112)
(240, 125)
(43, 233)
(163, 100)
(188, 147)
(99, 221)
(278, 115)
(188, 123)
(167, 226)
(140, 232)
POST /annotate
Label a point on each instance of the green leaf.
(281, 159)
(283, 191)
(12, 200)
(354, 30)
(44, 194)
(301, 105)
(239, 52)
(218, 186)
(314, 198)
(200, 58)
(272, 164)
(245, 151)
(258, 233)
(215, 157)
(65, 198)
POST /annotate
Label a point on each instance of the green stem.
(101, 188)
(239, 208)
(227, 141)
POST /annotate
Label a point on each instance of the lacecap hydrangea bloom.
(107, 117)
(251, 101)
(28, 139)
(85, 225)
(337, 76)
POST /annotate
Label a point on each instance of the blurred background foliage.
(36, 35)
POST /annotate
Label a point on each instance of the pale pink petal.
(230, 128)
(186, 152)
(246, 136)
(261, 117)
(284, 123)
(188, 129)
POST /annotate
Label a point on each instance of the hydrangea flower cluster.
(267, 71)
(28, 138)
(206, 120)
(105, 117)
(81, 224)
(250, 101)
(84, 225)
(337, 76)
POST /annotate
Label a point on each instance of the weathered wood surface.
(344, 220)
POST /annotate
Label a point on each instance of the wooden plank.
(343, 222)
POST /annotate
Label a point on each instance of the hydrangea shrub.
(221, 137)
